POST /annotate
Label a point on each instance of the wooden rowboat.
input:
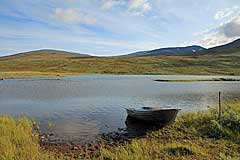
(153, 114)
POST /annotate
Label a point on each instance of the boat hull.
(161, 116)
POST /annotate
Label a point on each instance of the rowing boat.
(153, 114)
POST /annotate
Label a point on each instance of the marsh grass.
(17, 141)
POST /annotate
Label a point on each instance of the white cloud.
(73, 16)
(139, 4)
(134, 7)
(232, 28)
(209, 41)
(139, 7)
(225, 33)
(226, 13)
(108, 4)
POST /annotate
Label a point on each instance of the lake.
(81, 107)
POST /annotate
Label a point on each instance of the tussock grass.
(17, 141)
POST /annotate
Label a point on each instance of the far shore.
(198, 79)
(33, 74)
(37, 74)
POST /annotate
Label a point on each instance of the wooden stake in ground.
(220, 110)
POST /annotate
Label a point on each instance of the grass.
(17, 141)
(197, 79)
(194, 135)
(28, 74)
(32, 74)
(223, 64)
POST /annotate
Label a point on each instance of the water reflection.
(136, 128)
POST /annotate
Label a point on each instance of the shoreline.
(197, 79)
(32, 74)
(134, 130)
(36, 74)
(194, 135)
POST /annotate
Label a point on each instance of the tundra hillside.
(190, 60)
(53, 64)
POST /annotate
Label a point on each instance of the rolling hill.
(168, 51)
(231, 47)
(52, 62)
(45, 53)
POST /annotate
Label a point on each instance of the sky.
(115, 27)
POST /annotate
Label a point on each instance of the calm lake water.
(81, 107)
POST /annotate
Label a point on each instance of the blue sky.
(113, 27)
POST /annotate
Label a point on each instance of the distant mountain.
(45, 53)
(168, 51)
(231, 47)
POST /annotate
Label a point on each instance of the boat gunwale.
(153, 110)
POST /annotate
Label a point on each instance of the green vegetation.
(193, 136)
(197, 79)
(64, 64)
(17, 141)
(28, 74)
